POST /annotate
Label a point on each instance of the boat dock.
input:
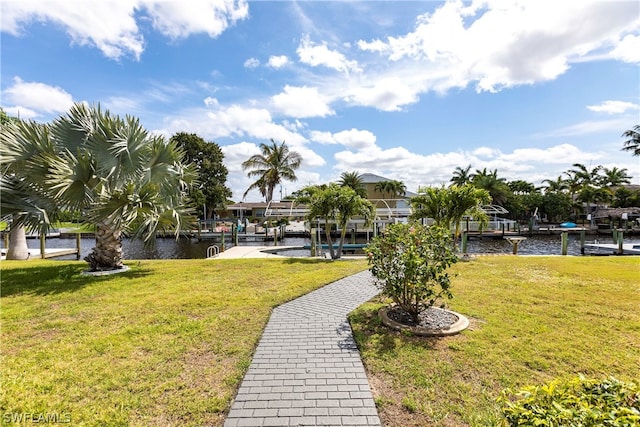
(612, 249)
(49, 253)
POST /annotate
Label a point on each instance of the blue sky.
(409, 90)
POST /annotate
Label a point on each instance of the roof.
(615, 212)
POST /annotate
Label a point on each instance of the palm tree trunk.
(107, 255)
(17, 249)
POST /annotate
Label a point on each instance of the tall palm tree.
(120, 177)
(633, 143)
(392, 187)
(461, 176)
(558, 185)
(271, 166)
(353, 180)
(615, 177)
(488, 180)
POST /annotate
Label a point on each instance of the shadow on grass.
(302, 260)
(372, 336)
(56, 278)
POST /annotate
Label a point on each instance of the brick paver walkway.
(307, 369)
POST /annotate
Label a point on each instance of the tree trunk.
(107, 255)
(327, 231)
(18, 249)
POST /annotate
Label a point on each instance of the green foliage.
(448, 205)
(578, 402)
(409, 262)
(273, 164)
(207, 157)
(557, 206)
(335, 204)
(625, 198)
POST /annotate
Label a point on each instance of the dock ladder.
(213, 251)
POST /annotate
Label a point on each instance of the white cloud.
(485, 152)
(585, 128)
(301, 102)
(111, 26)
(278, 61)
(21, 112)
(613, 107)
(354, 139)
(181, 19)
(499, 44)
(373, 46)
(322, 137)
(386, 94)
(251, 63)
(35, 99)
(315, 55)
(628, 49)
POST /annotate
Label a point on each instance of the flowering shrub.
(409, 262)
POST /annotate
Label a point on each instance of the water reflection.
(190, 248)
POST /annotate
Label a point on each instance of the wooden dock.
(612, 249)
(49, 253)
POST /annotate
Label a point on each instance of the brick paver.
(307, 369)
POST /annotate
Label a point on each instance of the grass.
(532, 319)
(75, 227)
(164, 344)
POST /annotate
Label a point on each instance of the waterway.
(183, 248)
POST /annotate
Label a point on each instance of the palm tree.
(337, 204)
(393, 187)
(24, 199)
(488, 180)
(121, 178)
(584, 176)
(461, 176)
(633, 143)
(274, 164)
(555, 186)
(447, 206)
(615, 177)
(353, 180)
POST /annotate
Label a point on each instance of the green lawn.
(532, 319)
(164, 344)
(72, 227)
(167, 343)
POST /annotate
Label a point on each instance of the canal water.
(183, 248)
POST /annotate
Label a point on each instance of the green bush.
(577, 402)
(409, 262)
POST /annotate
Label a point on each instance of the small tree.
(335, 204)
(409, 262)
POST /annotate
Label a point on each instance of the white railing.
(213, 251)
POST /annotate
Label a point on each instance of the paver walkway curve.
(307, 370)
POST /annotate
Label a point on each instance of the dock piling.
(565, 242)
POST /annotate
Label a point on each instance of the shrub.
(577, 402)
(409, 263)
